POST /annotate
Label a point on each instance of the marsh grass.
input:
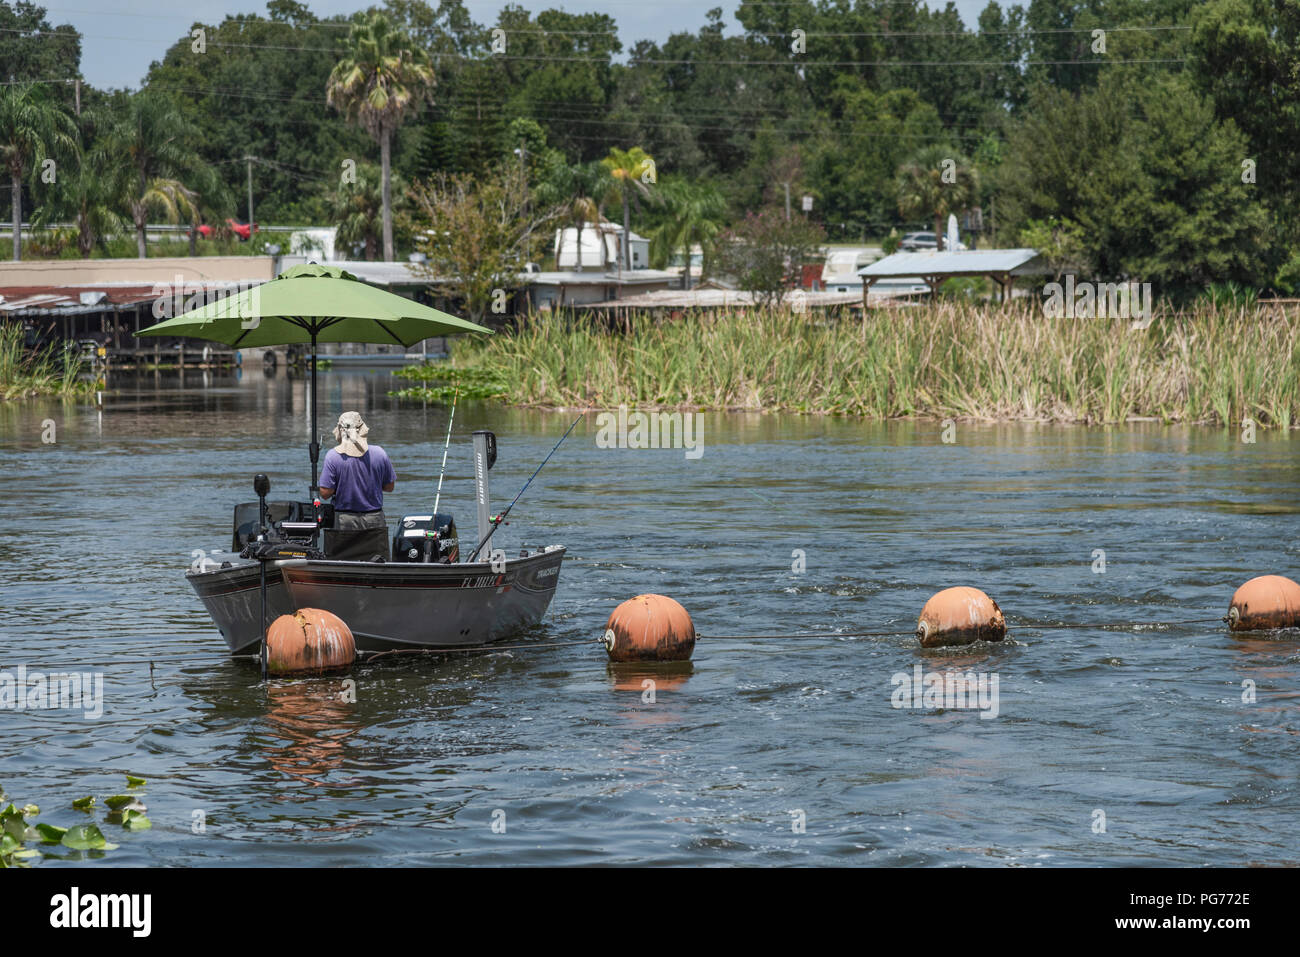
(42, 372)
(1211, 364)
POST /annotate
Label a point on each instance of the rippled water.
(1144, 724)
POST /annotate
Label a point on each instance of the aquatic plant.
(445, 380)
(18, 828)
(49, 371)
(1207, 364)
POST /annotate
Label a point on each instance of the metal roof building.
(933, 268)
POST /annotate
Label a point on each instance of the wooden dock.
(193, 356)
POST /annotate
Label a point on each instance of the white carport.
(933, 268)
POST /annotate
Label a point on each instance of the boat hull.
(388, 605)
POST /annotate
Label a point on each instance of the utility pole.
(250, 159)
(522, 153)
(787, 201)
(76, 93)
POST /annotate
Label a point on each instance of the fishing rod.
(446, 445)
(496, 522)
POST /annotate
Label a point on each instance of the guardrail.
(183, 230)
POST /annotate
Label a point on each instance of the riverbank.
(24, 374)
(1205, 366)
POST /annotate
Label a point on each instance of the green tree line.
(1160, 136)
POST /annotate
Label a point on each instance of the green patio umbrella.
(312, 304)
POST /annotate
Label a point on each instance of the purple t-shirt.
(358, 483)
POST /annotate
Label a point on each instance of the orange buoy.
(959, 616)
(1269, 601)
(309, 640)
(649, 628)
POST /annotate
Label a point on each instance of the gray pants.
(358, 537)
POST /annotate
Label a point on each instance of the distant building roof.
(405, 274)
(974, 262)
(592, 278)
(71, 300)
(798, 299)
(97, 273)
(379, 273)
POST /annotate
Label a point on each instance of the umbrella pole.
(314, 448)
(262, 653)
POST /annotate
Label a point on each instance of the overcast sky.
(120, 38)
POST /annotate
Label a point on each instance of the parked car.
(242, 230)
(915, 242)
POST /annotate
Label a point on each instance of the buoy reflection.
(313, 719)
(649, 682)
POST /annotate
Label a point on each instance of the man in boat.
(356, 474)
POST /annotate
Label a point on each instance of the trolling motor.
(261, 486)
(272, 544)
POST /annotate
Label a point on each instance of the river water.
(1120, 741)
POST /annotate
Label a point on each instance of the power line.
(539, 29)
(975, 34)
(658, 61)
(307, 25)
(680, 124)
(558, 110)
(977, 132)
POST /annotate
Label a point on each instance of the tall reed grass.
(41, 372)
(1207, 365)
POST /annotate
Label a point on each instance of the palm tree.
(695, 213)
(153, 141)
(88, 195)
(211, 201)
(211, 205)
(937, 181)
(357, 209)
(382, 78)
(33, 128)
(631, 170)
(171, 199)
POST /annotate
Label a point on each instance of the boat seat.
(359, 545)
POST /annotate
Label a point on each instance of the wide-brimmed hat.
(350, 433)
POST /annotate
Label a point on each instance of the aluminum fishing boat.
(423, 596)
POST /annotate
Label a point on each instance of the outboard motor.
(426, 539)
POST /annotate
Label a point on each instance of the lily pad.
(84, 804)
(133, 782)
(136, 821)
(30, 810)
(86, 837)
(50, 833)
(119, 801)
